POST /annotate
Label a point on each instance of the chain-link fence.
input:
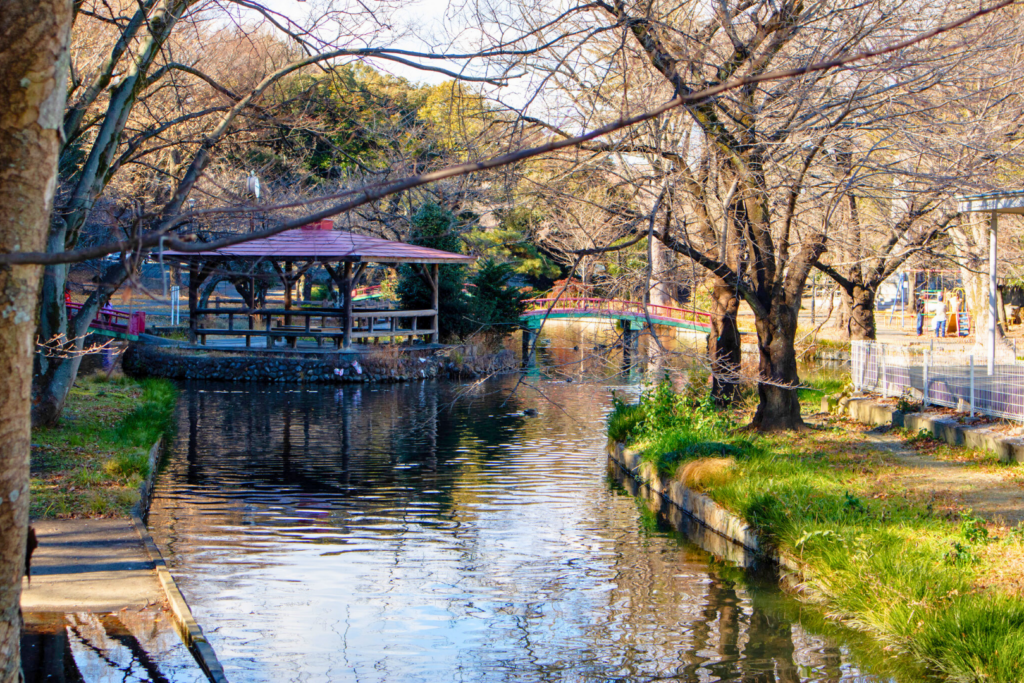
(945, 374)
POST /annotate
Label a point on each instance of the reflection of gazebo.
(993, 204)
(344, 256)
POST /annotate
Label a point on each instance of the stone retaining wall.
(148, 361)
(866, 411)
(730, 536)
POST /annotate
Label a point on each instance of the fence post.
(858, 358)
(881, 362)
(972, 385)
(927, 362)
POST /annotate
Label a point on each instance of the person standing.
(940, 318)
(919, 309)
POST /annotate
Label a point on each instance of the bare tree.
(34, 39)
(761, 147)
(170, 109)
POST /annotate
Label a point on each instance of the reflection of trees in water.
(125, 646)
(266, 445)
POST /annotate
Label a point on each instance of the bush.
(494, 304)
(434, 227)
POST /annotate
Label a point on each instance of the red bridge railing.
(113, 320)
(610, 308)
(371, 290)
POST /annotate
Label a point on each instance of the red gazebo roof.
(325, 244)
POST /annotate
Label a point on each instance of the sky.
(421, 17)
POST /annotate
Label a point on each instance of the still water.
(430, 532)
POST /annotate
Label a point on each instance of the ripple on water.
(345, 534)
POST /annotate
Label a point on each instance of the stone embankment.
(729, 535)
(869, 411)
(328, 368)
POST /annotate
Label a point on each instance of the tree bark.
(724, 352)
(860, 304)
(779, 405)
(34, 38)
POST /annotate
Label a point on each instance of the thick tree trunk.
(724, 351)
(860, 302)
(34, 36)
(661, 274)
(779, 406)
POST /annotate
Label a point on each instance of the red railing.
(365, 291)
(611, 307)
(113, 320)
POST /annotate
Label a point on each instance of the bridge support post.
(529, 353)
(628, 337)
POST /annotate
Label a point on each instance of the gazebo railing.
(318, 324)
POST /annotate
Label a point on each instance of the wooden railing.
(113, 320)
(318, 324)
(612, 308)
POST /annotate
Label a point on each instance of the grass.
(925, 583)
(92, 462)
(819, 382)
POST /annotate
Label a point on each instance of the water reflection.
(395, 533)
(127, 646)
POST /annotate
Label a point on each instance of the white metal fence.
(946, 374)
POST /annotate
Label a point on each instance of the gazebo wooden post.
(435, 284)
(286, 278)
(197, 274)
(346, 318)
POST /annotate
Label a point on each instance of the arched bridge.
(562, 308)
(110, 322)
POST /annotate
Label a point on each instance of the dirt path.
(990, 494)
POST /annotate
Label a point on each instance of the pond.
(431, 532)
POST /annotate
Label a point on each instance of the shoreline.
(920, 584)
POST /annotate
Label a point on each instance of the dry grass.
(702, 474)
(384, 357)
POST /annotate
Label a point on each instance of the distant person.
(107, 313)
(940, 318)
(919, 309)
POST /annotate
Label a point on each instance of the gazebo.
(344, 255)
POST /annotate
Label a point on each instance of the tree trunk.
(860, 303)
(34, 37)
(208, 290)
(724, 351)
(661, 274)
(779, 406)
(842, 323)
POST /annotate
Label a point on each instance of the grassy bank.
(935, 584)
(92, 462)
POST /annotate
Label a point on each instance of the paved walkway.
(96, 565)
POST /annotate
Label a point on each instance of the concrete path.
(96, 565)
